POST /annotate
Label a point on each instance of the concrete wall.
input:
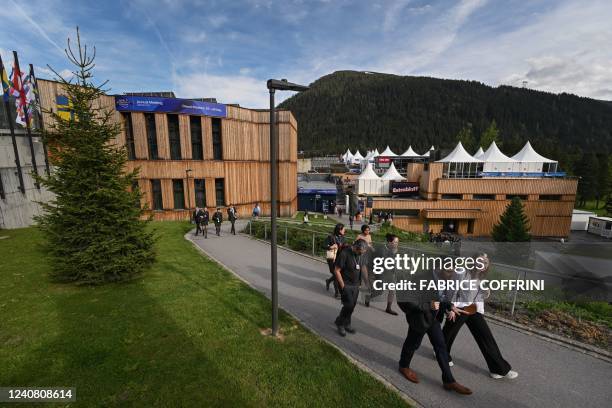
(18, 209)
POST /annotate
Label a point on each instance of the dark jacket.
(340, 240)
(231, 214)
(417, 304)
(217, 217)
(203, 217)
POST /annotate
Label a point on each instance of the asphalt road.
(550, 375)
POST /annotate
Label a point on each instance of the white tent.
(357, 158)
(411, 153)
(368, 182)
(459, 155)
(496, 161)
(392, 174)
(376, 153)
(429, 151)
(348, 156)
(531, 161)
(479, 153)
(388, 153)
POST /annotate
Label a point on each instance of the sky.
(228, 49)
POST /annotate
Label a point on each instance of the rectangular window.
(178, 191)
(402, 213)
(220, 192)
(156, 190)
(200, 192)
(129, 135)
(174, 137)
(484, 196)
(550, 197)
(452, 196)
(511, 196)
(151, 136)
(197, 150)
(216, 139)
(470, 227)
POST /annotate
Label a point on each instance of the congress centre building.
(196, 152)
(466, 194)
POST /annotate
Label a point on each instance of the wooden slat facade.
(245, 168)
(547, 218)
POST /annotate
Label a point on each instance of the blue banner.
(168, 105)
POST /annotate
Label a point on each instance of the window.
(511, 196)
(2, 193)
(151, 136)
(178, 191)
(403, 213)
(129, 135)
(158, 202)
(452, 196)
(484, 196)
(174, 137)
(197, 150)
(220, 192)
(470, 227)
(216, 139)
(549, 167)
(200, 192)
(462, 170)
(550, 197)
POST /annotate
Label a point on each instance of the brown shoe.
(458, 388)
(409, 374)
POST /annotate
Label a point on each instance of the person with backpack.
(232, 216)
(218, 219)
(333, 244)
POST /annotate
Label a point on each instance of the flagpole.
(7, 108)
(34, 80)
(27, 119)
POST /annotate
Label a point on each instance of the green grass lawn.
(590, 206)
(186, 334)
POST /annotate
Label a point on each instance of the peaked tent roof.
(358, 156)
(369, 155)
(479, 153)
(494, 155)
(392, 174)
(388, 153)
(368, 174)
(376, 152)
(426, 154)
(528, 154)
(459, 155)
(410, 153)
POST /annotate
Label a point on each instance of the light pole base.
(268, 333)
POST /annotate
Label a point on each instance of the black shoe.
(327, 283)
(350, 329)
(367, 303)
(341, 331)
(391, 311)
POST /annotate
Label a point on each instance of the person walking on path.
(469, 309)
(421, 309)
(194, 216)
(368, 260)
(351, 219)
(334, 243)
(204, 219)
(232, 215)
(218, 219)
(305, 217)
(256, 211)
(348, 269)
(389, 250)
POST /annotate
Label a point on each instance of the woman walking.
(369, 259)
(333, 245)
(469, 309)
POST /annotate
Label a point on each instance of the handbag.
(331, 253)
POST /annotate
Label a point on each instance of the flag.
(19, 93)
(6, 84)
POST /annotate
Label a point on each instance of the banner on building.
(130, 103)
(404, 188)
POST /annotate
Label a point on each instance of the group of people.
(201, 218)
(442, 237)
(437, 314)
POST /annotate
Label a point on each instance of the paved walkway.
(550, 375)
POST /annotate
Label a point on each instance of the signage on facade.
(124, 103)
(404, 188)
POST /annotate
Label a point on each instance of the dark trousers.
(413, 342)
(198, 228)
(204, 229)
(484, 338)
(332, 266)
(349, 297)
(233, 230)
(218, 229)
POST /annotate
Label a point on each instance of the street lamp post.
(273, 85)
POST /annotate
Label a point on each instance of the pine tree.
(92, 228)
(490, 135)
(513, 224)
(586, 169)
(466, 137)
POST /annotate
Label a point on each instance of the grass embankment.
(186, 334)
(592, 206)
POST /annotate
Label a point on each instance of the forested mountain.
(366, 110)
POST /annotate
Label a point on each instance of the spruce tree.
(513, 224)
(490, 135)
(92, 227)
(466, 137)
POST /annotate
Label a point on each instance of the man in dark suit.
(204, 217)
(421, 308)
(218, 219)
(232, 215)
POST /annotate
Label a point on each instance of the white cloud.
(393, 14)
